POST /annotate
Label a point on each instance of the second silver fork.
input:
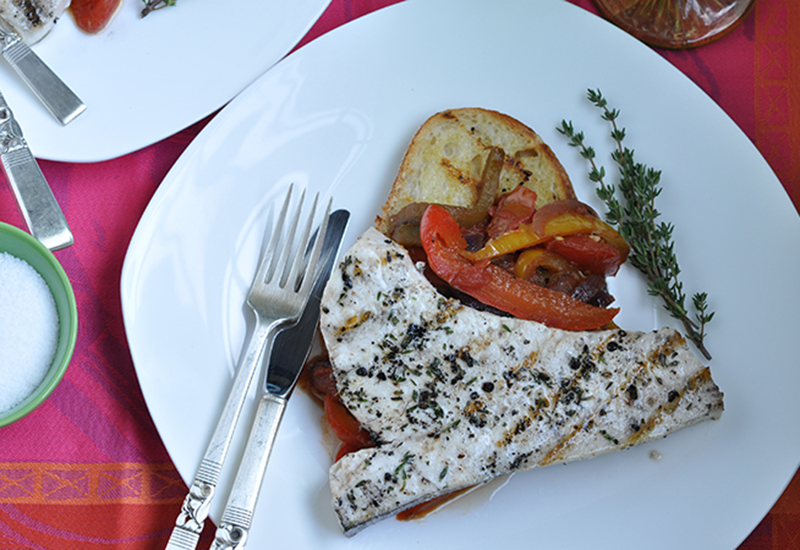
(277, 296)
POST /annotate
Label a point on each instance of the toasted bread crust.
(444, 162)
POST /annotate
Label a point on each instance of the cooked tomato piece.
(348, 448)
(589, 252)
(494, 286)
(93, 15)
(344, 424)
(511, 210)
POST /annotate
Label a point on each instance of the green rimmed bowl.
(23, 246)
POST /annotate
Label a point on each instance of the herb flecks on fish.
(450, 409)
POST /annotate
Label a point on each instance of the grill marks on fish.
(455, 396)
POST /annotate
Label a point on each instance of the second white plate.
(144, 79)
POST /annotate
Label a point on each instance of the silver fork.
(277, 296)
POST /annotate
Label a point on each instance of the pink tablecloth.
(88, 470)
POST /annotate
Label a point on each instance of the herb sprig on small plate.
(631, 208)
(153, 5)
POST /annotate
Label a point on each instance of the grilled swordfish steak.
(454, 397)
(32, 19)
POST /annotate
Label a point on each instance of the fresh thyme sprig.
(153, 5)
(634, 214)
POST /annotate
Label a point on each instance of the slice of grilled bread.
(445, 160)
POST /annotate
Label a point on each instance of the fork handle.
(194, 511)
(237, 518)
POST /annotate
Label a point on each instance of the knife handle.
(235, 523)
(59, 99)
(35, 199)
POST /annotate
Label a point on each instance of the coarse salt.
(28, 330)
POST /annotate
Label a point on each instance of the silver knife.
(59, 99)
(34, 197)
(289, 353)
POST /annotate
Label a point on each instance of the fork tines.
(295, 269)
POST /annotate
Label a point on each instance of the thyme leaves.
(153, 5)
(631, 208)
(400, 471)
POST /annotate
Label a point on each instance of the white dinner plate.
(143, 79)
(336, 117)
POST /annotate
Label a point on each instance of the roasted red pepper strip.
(588, 252)
(492, 285)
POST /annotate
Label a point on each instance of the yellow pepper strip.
(532, 258)
(522, 237)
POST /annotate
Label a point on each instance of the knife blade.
(35, 199)
(59, 99)
(289, 354)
